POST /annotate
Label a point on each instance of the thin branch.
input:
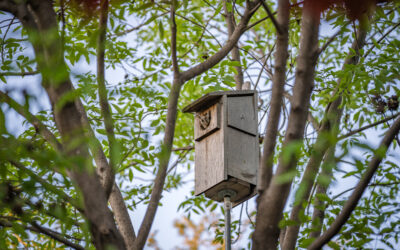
(256, 23)
(209, 4)
(151, 19)
(196, 43)
(353, 200)
(48, 186)
(39, 126)
(331, 39)
(187, 148)
(62, 6)
(179, 160)
(264, 65)
(4, 38)
(272, 17)
(194, 22)
(313, 121)
(240, 224)
(383, 37)
(367, 127)
(310, 118)
(175, 66)
(46, 231)
(272, 14)
(55, 235)
(218, 56)
(31, 73)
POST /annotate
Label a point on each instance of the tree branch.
(192, 21)
(272, 17)
(124, 32)
(116, 200)
(46, 231)
(353, 132)
(273, 200)
(162, 169)
(329, 129)
(230, 21)
(353, 200)
(109, 175)
(175, 66)
(321, 189)
(256, 22)
(380, 40)
(31, 73)
(331, 39)
(278, 83)
(48, 186)
(217, 57)
(4, 38)
(39, 126)
(122, 217)
(39, 19)
(187, 148)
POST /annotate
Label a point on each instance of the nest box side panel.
(242, 148)
(242, 113)
(209, 151)
(242, 155)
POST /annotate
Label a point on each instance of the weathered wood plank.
(241, 114)
(209, 161)
(206, 122)
(242, 155)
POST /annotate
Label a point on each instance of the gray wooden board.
(210, 98)
(241, 114)
(209, 162)
(215, 121)
(242, 189)
(242, 155)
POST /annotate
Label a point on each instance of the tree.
(73, 173)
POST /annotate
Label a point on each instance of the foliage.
(36, 190)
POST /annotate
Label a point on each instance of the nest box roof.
(210, 98)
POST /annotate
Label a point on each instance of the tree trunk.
(273, 200)
(39, 19)
(329, 129)
(278, 81)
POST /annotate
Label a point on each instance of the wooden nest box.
(226, 144)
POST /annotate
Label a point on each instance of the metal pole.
(228, 207)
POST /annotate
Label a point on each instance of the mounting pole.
(228, 207)
(227, 194)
